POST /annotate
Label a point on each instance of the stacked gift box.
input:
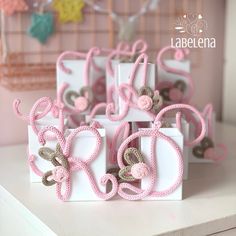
(119, 125)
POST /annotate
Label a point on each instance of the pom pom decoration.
(42, 26)
(69, 10)
(11, 6)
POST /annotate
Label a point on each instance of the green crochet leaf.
(42, 26)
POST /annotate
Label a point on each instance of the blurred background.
(27, 69)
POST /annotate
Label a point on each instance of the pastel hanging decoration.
(9, 7)
(69, 10)
(42, 26)
(127, 30)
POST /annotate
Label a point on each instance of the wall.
(229, 114)
(207, 77)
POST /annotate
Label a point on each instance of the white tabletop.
(209, 203)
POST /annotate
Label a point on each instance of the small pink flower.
(209, 153)
(60, 174)
(145, 103)
(140, 170)
(81, 103)
(175, 95)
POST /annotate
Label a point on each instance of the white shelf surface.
(209, 204)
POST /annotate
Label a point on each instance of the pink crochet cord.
(138, 47)
(155, 135)
(82, 101)
(121, 133)
(179, 55)
(189, 109)
(76, 164)
(132, 95)
(36, 113)
(58, 104)
(94, 51)
(122, 49)
(99, 89)
(219, 152)
(31, 162)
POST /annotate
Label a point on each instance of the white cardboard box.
(167, 165)
(111, 81)
(124, 71)
(185, 132)
(75, 79)
(81, 188)
(95, 75)
(186, 150)
(110, 128)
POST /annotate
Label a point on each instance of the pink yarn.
(60, 174)
(81, 103)
(145, 103)
(67, 145)
(179, 55)
(140, 170)
(128, 94)
(121, 133)
(188, 109)
(176, 95)
(219, 151)
(94, 51)
(40, 109)
(139, 46)
(154, 134)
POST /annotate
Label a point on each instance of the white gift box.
(167, 164)
(75, 79)
(186, 150)
(172, 77)
(185, 132)
(34, 145)
(111, 81)
(111, 129)
(95, 75)
(81, 187)
(164, 76)
(100, 62)
(124, 72)
(192, 158)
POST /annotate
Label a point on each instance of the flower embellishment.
(205, 149)
(174, 93)
(149, 100)
(80, 101)
(42, 26)
(11, 6)
(136, 168)
(61, 171)
(69, 10)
